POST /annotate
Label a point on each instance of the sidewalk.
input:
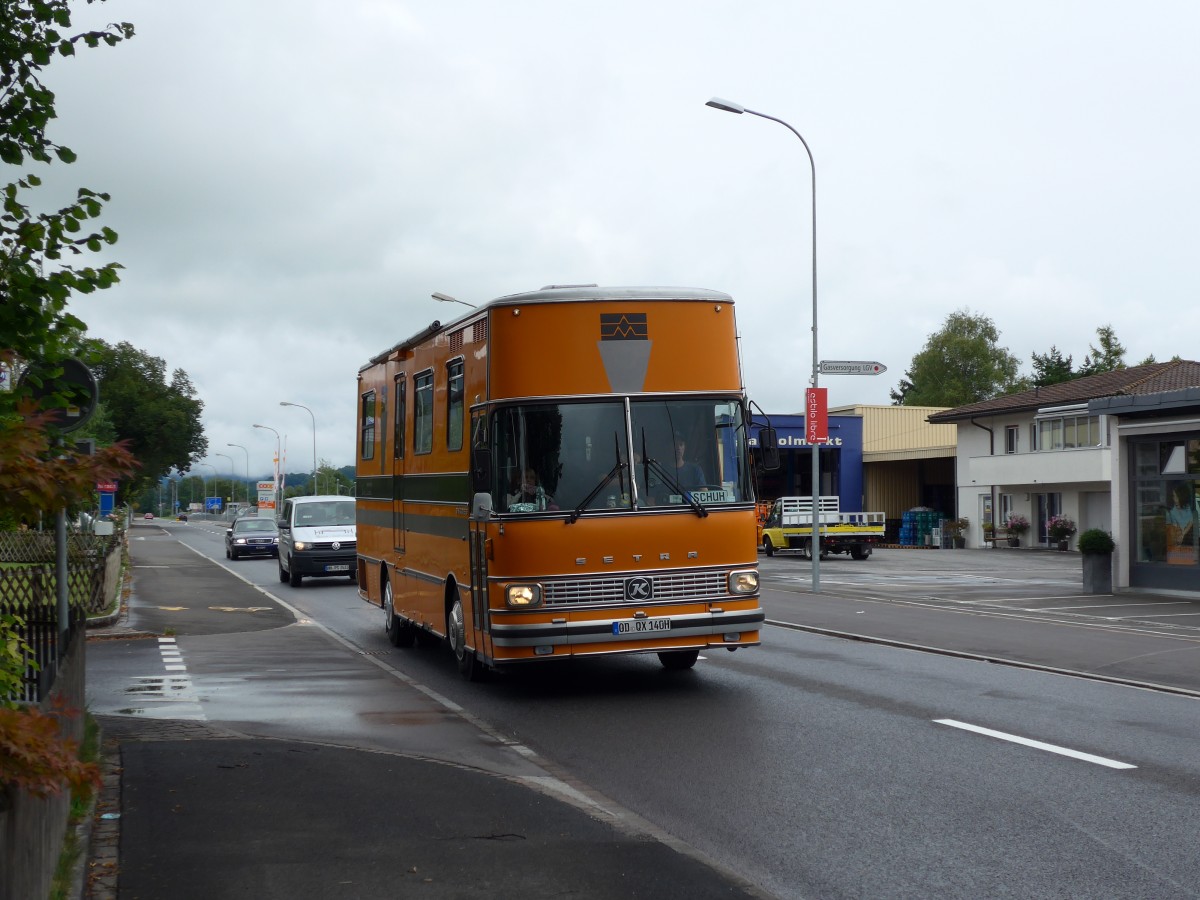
(191, 809)
(204, 813)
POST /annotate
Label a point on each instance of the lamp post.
(278, 461)
(729, 106)
(205, 482)
(247, 452)
(314, 424)
(232, 474)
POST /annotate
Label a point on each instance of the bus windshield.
(592, 455)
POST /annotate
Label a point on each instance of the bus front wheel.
(456, 630)
(677, 660)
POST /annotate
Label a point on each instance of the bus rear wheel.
(677, 660)
(399, 632)
(456, 632)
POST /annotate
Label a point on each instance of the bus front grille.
(666, 587)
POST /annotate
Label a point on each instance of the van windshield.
(331, 512)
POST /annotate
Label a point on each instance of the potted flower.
(1097, 548)
(1059, 529)
(1017, 525)
(958, 531)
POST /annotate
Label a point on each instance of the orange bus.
(562, 473)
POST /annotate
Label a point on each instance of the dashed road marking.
(1038, 745)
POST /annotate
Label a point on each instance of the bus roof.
(559, 293)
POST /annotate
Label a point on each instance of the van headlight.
(523, 596)
(743, 582)
(300, 545)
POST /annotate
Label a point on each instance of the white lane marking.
(1114, 605)
(1039, 745)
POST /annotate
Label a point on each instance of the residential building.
(1115, 451)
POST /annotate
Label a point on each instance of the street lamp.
(232, 473)
(247, 452)
(278, 461)
(205, 482)
(446, 298)
(729, 106)
(314, 424)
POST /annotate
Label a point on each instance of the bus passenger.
(529, 495)
(688, 474)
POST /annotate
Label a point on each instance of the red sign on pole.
(107, 486)
(816, 415)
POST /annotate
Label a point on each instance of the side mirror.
(281, 524)
(229, 531)
(768, 448)
(481, 506)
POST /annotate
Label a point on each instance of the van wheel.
(456, 631)
(294, 577)
(399, 632)
(677, 660)
(283, 576)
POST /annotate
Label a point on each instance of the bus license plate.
(641, 626)
(342, 567)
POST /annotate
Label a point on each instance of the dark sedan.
(251, 536)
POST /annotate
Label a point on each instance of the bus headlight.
(521, 596)
(743, 582)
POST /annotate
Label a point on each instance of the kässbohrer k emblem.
(638, 589)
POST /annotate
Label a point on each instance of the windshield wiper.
(616, 470)
(669, 479)
(649, 464)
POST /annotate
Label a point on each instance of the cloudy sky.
(292, 180)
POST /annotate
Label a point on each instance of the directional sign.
(851, 367)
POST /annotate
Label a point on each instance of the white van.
(317, 538)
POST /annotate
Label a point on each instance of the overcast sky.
(292, 180)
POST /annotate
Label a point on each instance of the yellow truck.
(788, 528)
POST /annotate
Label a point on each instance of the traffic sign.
(851, 367)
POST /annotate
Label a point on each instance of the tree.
(160, 419)
(37, 278)
(1109, 357)
(959, 364)
(1051, 368)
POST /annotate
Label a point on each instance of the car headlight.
(743, 582)
(239, 540)
(521, 596)
(300, 545)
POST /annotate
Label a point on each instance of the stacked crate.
(917, 525)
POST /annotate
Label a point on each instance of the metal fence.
(29, 590)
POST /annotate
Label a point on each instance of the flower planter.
(1064, 544)
(1014, 542)
(1097, 573)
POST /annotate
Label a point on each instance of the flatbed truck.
(788, 528)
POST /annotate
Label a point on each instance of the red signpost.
(816, 415)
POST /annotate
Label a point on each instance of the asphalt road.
(813, 766)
